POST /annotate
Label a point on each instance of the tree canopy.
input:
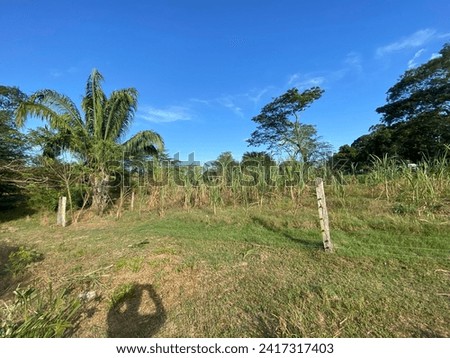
(280, 130)
(12, 143)
(95, 137)
(415, 121)
(421, 92)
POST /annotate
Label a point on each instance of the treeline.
(415, 122)
(79, 153)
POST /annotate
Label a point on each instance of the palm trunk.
(100, 192)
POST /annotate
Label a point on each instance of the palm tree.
(95, 139)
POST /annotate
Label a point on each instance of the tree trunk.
(100, 192)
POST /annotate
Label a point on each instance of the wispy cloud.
(241, 104)
(230, 103)
(200, 101)
(255, 95)
(305, 81)
(236, 103)
(417, 39)
(353, 61)
(435, 55)
(412, 62)
(351, 64)
(444, 35)
(57, 73)
(164, 115)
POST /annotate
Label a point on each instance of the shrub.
(19, 260)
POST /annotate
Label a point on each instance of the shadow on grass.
(11, 214)
(266, 327)
(141, 315)
(286, 234)
(7, 279)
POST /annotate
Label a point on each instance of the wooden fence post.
(132, 201)
(61, 216)
(323, 215)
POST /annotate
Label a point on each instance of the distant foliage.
(41, 197)
(12, 148)
(415, 122)
(281, 131)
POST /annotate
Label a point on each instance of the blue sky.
(203, 69)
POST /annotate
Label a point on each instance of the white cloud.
(230, 103)
(417, 39)
(435, 55)
(350, 66)
(293, 78)
(412, 62)
(57, 73)
(255, 95)
(353, 61)
(444, 35)
(200, 101)
(305, 81)
(164, 115)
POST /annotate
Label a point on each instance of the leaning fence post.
(323, 215)
(61, 216)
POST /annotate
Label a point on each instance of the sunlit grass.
(260, 270)
(229, 260)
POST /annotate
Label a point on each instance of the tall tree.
(12, 145)
(415, 121)
(95, 137)
(418, 109)
(258, 165)
(224, 167)
(279, 127)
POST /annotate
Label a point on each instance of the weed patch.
(19, 260)
(120, 294)
(43, 314)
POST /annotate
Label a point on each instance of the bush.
(40, 198)
(19, 260)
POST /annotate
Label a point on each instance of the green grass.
(19, 260)
(257, 271)
(121, 294)
(39, 314)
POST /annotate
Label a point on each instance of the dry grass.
(251, 271)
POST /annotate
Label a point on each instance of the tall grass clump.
(39, 314)
(421, 187)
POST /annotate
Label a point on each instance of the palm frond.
(58, 110)
(93, 103)
(119, 112)
(145, 142)
(26, 109)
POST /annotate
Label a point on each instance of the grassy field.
(244, 271)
